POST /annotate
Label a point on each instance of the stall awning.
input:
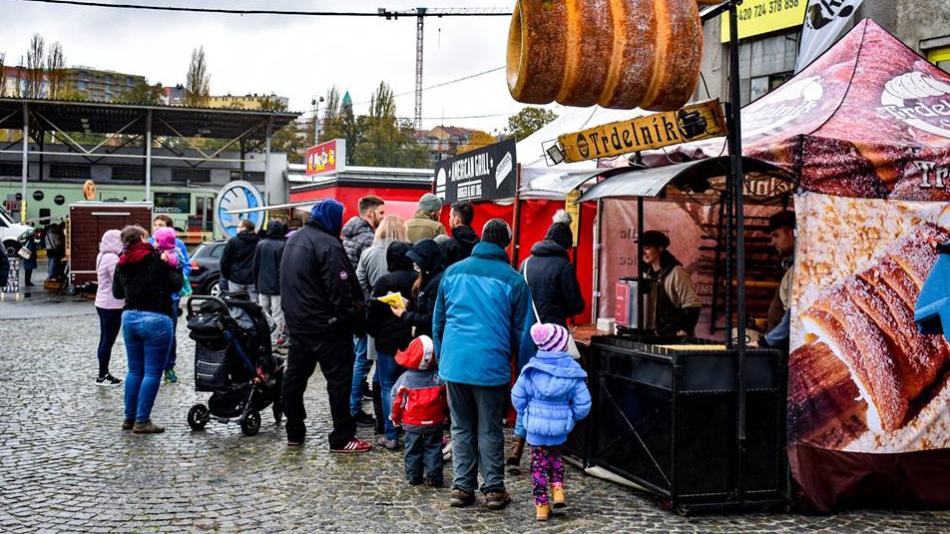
(693, 176)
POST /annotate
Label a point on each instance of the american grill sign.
(691, 123)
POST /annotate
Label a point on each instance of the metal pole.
(24, 171)
(148, 156)
(641, 267)
(735, 156)
(516, 220)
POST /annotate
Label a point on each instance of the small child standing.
(420, 406)
(165, 243)
(550, 395)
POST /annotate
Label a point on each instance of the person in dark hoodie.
(391, 333)
(428, 262)
(463, 240)
(266, 268)
(323, 307)
(147, 283)
(237, 261)
(551, 276)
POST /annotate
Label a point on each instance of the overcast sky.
(296, 57)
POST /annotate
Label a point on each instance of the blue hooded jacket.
(550, 396)
(481, 319)
(329, 215)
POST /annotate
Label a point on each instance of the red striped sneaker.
(355, 445)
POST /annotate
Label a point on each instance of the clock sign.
(237, 195)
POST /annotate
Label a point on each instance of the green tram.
(192, 208)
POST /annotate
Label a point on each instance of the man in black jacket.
(237, 261)
(464, 238)
(323, 307)
(267, 275)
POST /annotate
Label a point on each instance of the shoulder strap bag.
(571, 344)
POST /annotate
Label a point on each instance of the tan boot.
(543, 512)
(147, 427)
(557, 496)
(517, 450)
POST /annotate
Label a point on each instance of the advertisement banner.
(763, 16)
(487, 173)
(869, 357)
(326, 157)
(691, 123)
(825, 21)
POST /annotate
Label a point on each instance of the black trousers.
(424, 455)
(335, 356)
(110, 321)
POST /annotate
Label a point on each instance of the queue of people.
(441, 317)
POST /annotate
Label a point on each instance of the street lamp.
(316, 121)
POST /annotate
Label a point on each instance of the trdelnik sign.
(918, 99)
(487, 173)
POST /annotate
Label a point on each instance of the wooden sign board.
(693, 122)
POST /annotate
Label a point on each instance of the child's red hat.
(420, 354)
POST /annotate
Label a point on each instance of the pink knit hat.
(165, 239)
(550, 337)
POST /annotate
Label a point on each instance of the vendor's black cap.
(654, 238)
(782, 219)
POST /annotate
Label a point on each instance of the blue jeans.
(361, 367)
(147, 337)
(478, 436)
(389, 372)
(424, 455)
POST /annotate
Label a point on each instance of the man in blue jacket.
(480, 325)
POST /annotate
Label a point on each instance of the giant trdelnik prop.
(620, 54)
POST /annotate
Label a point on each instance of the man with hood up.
(323, 308)
(267, 275)
(237, 261)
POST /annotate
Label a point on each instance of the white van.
(12, 233)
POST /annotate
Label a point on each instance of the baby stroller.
(233, 361)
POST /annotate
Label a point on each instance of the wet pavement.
(66, 466)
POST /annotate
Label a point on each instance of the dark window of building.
(37, 195)
(128, 172)
(59, 200)
(257, 177)
(191, 175)
(173, 203)
(69, 171)
(12, 169)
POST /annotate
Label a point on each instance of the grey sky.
(297, 57)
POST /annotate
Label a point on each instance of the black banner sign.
(488, 173)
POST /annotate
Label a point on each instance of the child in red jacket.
(420, 406)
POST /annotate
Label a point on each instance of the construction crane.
(421, 13)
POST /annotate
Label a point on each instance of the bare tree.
(198, 81)
(55, 63)
(34, 67)
(3, 74)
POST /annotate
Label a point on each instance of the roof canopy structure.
(125, 124)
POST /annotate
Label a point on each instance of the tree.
(478, 139)
(3, 74)
(529, 120)
(271, 103)
(142, 93)
(287, 140)
(387, 141)
(55, 77)
(34, 67)
(198, 80)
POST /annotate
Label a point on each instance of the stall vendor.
(673, 306)
(782, 235)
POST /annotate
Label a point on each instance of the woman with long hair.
(371, 268)
(146, 282)
(674, 305)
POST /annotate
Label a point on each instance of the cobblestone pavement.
(66, 466)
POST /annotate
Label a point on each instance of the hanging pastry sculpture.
(620, 54)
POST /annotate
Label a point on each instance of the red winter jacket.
(419, 400)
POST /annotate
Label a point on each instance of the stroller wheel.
(198, 417)
(251, 423)
(278, 412)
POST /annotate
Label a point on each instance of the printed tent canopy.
(869, 118)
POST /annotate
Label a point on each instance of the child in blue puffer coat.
(550, 396)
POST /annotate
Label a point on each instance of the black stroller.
(233, 360)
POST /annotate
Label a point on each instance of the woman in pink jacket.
(108, 307)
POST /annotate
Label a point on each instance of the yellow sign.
(763, 16)
(574, 210)
(693, 122)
